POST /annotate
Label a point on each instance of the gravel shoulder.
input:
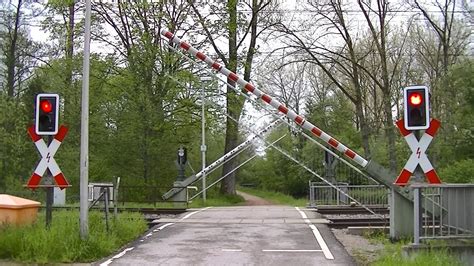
(360, 248)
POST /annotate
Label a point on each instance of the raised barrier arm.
(378, 172)
(299, 120)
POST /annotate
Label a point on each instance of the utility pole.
(84, 160)
(203, 134)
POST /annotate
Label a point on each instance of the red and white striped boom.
(269, 100)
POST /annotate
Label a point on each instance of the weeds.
(62, 242)
(392, 255)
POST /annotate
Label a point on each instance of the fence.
(443, 211)
(322, 194)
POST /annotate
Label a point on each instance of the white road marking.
(291, 250)
(231, 250)
(194, 212)
(327, 253)
(163, 226)
(122, 253)
(105, 263)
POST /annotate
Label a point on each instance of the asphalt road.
(247, 235)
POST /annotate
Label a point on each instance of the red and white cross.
(418, 156)
(47, 160)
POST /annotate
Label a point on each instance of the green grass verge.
(392, 255)
(62, 242)
(275, 197)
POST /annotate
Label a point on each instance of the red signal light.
(415, 99)
(46, 106)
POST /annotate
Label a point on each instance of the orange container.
(17, 211)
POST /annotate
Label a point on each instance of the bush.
(62, 242)
(458, 172)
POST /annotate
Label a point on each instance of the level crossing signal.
(416, 107)
(46, 114)
(182, 156)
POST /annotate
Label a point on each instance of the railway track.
(345, 222)
(341, 210)
(357, 216)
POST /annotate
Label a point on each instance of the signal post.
(416, 117)
(46, 124)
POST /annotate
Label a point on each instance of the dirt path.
(251, 200)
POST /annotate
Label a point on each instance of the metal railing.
(322, 194)
(443, 211)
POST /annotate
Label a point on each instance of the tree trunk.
(364, 129)
(234, 107)
(235, 103)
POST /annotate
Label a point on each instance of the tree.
(288, 83)
(442, 38)
(242, 32)
(379, 31)
(145, 82)
(18, 50)
(339, 61)
(17, 61)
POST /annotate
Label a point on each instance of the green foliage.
(62, 243)
(455, 139)
(16, 149)
(335, 115)
(458, 172)
(131, 132)
(274, 171)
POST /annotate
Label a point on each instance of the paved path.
(251, 200)
(246, 235)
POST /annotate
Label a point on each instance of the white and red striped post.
(47, 161)
(267, 99)
(418, 155)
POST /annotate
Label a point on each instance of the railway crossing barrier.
(401, 199)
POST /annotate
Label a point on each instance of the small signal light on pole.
(47, 114)
(182, 156)
(416, 107)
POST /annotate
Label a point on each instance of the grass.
(275, 197)
(392, 255)
(62, 242)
